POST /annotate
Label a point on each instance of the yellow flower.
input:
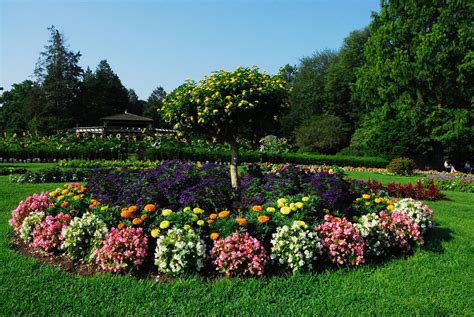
(300, 223)
(187, 209)
(155, 232)
(366, 196)
(270, 209)
(305, 198)
(186, 227)
(198, 210)
(166, 212)
(164, 224)
(60, 198)
(53, 194)
(390, 207)
(65, 191)
(281, 202)
(200, 222)
(299, 205)
(378, 200)
(77, 197)
(285, 210)
(367, 203)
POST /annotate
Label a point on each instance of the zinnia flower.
(164, 224)
(214, 236)
(149, 208)
(257, 208)
(224, 214)
(241, 222)
(263, 219)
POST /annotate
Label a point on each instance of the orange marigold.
(64, 204)
(132, 209)
(241, 222)
(149, 208)
(257, 208)
(224, 214)
(137, 221)
(213, 216)
(120, 226)
(214, 236)
(144, 216)
(263, 219)
(125, 214)
(210, 221)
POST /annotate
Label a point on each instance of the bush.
(48, 234)
(179, 251)
(52, 175)
(401, 166)
(122, 250)
(323, 134)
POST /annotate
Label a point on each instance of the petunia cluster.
(29, 223)
(341, 242)
(417, 211)
(239, 255)
(122, 249)
(48, 234)
(83, 236)
(295, 247)
(33, 203)
(179, 251)
(375, 238)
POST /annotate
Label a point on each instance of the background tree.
(136, 106)
(60, 77)
(418, 77)
(340, 77)
(324, 134)
(228, 105)
(307, 95)
(18, 106)
(103, 94)
(154, 102)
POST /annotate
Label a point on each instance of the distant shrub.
(323, 134)
(401, 166)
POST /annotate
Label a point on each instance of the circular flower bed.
(166, 225)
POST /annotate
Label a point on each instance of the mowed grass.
(436, 280)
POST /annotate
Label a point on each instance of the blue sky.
(152, 43)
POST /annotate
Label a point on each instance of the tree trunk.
(234, 164)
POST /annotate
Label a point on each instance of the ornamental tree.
(227, 106)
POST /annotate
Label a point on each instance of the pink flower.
(403, 232)
(121, 249)
(341, 241)
(33, 203)
(239, 255)
(47, 236)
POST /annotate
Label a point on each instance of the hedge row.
(201, 154)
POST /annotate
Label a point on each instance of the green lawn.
(437, 280)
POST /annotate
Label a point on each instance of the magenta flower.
(33, 203)
(48, 235)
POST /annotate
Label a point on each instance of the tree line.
(402, 86)
(63, 95)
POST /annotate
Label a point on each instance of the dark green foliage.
(325, 134)
(418, 78)
(401, 166)
(152, 108)
(307, 95)
(103, 94)
(60, 77)
(18, 106)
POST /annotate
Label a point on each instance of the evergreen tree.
(136, 106)
(153, 107)
(60, 77)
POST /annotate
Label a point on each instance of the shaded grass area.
(436, 280)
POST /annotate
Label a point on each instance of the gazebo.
(123, 123)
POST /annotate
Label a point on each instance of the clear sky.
(161, 43)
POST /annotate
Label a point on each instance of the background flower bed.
(323, 206)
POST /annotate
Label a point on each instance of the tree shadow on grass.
(435, 237)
